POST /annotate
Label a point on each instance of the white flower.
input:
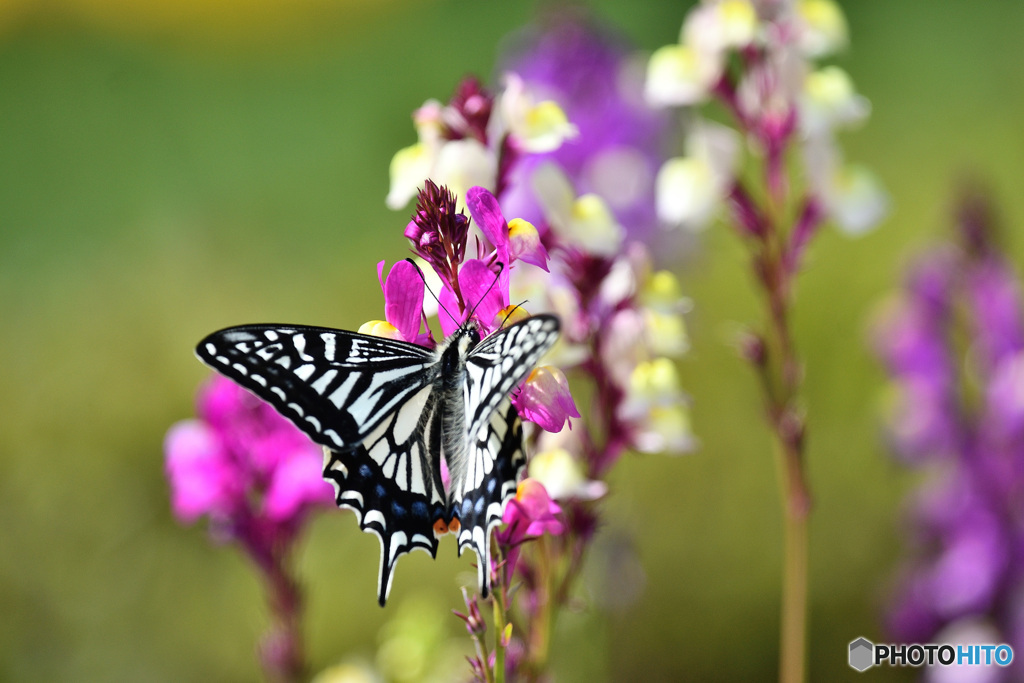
(853, 196)
(713, 28)
(822, 27)
(563, 475)
(537, 127)
(585, 221)
(409, 168)
(461, 164)
(689, 189)
(829, 101)
(678, 75)
(655, 404)
(683, 74)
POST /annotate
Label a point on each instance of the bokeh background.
(171, 167)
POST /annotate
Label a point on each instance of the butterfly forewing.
(500, 362)
(336, 386)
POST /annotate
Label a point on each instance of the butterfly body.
(387, 411)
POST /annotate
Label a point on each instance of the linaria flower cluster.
(621, 318)
(776, 174)
(953, 344)
(756, 58)
(257, 479)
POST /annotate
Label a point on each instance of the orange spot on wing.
(454, 525)
(440, 528)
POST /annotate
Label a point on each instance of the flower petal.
(483, 207)
(545, 399)
(403, 299)
(197, 469)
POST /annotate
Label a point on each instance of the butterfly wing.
(484, 481)
(336, 386)
(371, 403)
(393, 483)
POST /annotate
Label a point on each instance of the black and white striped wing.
(392, 481)
(336, 386)
(495, 461)
(486, 476)
(370, 402)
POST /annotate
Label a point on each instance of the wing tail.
(402, 520)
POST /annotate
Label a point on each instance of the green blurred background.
(168, 168)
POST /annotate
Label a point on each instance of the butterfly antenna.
(511, 310)
(501, 267)
(427, 287)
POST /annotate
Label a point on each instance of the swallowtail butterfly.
(386, 411)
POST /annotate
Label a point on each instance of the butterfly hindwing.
(481, 486)
(495, 461)
(390, 481)
(500, 362)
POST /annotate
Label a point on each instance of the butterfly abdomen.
(450, 389)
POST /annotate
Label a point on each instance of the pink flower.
(488, 292)
(403, 302)
(196, 465)
(515, 240)
(529, 515)
(545, 399)
(241, 463)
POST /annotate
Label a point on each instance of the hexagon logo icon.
(862, 654)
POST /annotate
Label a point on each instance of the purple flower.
(241, 461)
(912, 339)
(954, 345)
(438, 232)
(621, 141)
(995, 297)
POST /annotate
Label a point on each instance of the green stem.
(499, 627)
(793, 646)
(782, 379)
(541, 624)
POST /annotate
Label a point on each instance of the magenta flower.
(515, 240)
(242, 460)
(486, 289)
(198, 469)
(529, 515)
(545, 399)
(403, 302)
(257, 478)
